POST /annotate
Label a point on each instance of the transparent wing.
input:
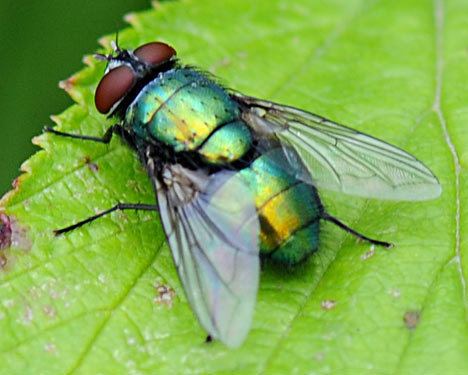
(340, 158)
(213, 231)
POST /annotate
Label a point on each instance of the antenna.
(115, 47)
(115, 44)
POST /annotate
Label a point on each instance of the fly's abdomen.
(184, 109)
(289, 211)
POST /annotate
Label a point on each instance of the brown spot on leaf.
(5, 231)
(92, 166)
(15, 183)
(411, 319)
(3, 260)
(164, 295)
(11, 235)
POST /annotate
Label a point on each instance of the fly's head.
(128, 71)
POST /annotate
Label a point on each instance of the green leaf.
(106, 298)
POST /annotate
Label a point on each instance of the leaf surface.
(106, 298)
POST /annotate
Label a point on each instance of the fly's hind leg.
(326, 216)
(117, 207)
(208, 339)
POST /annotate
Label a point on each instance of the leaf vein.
(87, 349)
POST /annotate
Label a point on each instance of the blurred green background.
(41, 43)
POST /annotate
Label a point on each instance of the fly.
(236, 177)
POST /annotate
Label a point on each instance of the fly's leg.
(106, 138)
(334, 220)
(117, 207)
(208, 339)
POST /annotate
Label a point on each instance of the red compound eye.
(113, 86)
(154, 53)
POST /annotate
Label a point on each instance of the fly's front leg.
(106, 138)
(117, 207)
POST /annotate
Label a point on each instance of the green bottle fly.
(185, 110)
(236, 177)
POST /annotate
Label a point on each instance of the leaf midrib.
(439, 23)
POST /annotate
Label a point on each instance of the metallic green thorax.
(184, 109)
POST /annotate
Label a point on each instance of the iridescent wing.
(213, 231)
(339, 158)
